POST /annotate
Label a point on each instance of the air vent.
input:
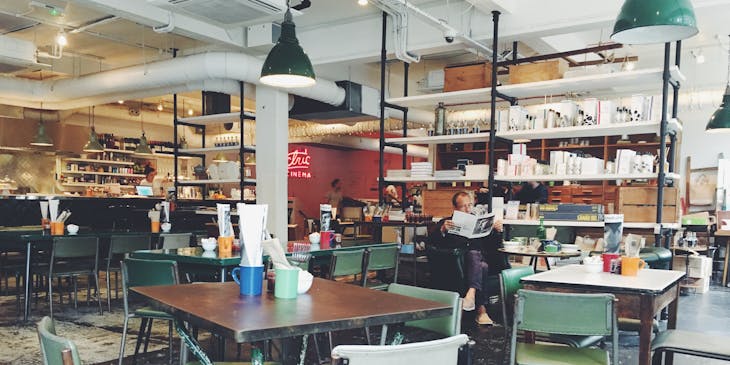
(225, 12)
(16, 55)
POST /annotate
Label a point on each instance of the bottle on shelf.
(440, 120)
(541, 231)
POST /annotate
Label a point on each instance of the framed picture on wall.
(702, 187)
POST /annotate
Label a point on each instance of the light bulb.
(190, 112)
(700, 59)
(120, 101)
(362, 2)
(61, 39)
(630, 66)
(160, 107)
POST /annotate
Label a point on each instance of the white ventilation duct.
(360, 143)
(213, 71)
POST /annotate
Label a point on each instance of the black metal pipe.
(382, 109)
(395, 145)
(176, 148)
(493, 111)
(241, 119)
(604, 47)
(510, 99)
(672, 151)
(514, 52)
(394, 106)
(404, 157)
(662, 140)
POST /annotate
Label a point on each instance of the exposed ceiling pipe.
(360, 143)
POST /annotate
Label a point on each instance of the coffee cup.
(155, 226)
(630, 266)
(249, 278)
(225, 244)
(57, 228)
(607, 258)
(287, 283)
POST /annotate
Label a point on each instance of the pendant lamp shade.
(720, 120)
(654, 21)
(143, 148)
(41, 138)
(93, 145)
(286, 64)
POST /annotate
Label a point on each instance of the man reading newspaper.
(473, 233)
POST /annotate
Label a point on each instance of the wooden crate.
(646, 195)
(647, 213)
(465, 77)
(539, 71)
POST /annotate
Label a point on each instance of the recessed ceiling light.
(362, 2)
(61, 39)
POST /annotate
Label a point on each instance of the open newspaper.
(472, 226)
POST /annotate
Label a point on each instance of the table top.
(327, 306)
(722, 233)
(647, 281)
(561, 254)
(191, 255)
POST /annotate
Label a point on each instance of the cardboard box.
(539, 71)
(646, 195)
(466, 77)
(647, 213)
(699, 286)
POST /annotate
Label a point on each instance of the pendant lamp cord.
(728, 63)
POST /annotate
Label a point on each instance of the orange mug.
(630, 266)
(57, 228)
(155, 226)
(45, 223)
(225, 244)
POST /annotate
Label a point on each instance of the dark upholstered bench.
(690, 343)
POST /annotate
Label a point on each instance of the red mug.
(607, 258)
(326, 239)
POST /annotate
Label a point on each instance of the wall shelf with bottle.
(106, 169)
(207, 177)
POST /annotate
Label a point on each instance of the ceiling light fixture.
(143, 147)
(699, 56)
(629, 66)
(120, 101)
(362, 2)
(41, 138)
(160, 107)
(286, 64)
(61, 39)
(654, 21)
(720, 119)
(92, 145)
(190, 112)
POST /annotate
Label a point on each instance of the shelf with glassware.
(211, 180)
(109, 168)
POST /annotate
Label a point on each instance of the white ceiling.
(341, 37)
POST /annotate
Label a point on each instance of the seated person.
(482, 256)
(532, 192)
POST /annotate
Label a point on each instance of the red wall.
(358, 171)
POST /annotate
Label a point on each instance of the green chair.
(55, 349)
(446, 351)
(119, 247)
(447, 326)
(138, 272)
(175, 240)
(706, 345)
(72, 257)
(509, 284)
(345, 263)
(567, 314)
(380, 259)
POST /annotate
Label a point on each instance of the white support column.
(272, 134)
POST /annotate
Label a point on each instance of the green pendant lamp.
(654, 21)
(287, 65)
(143, 148)
(720, 120)
(41, 138)
(92, 145)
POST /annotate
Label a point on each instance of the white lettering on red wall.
(299, 162)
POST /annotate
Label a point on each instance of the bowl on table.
(72, 229)
(512, 245)
(305, 282)
(209, 244)
(569, 248)
(593, 264)
(166, 227)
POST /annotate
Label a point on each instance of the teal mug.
(287, 283)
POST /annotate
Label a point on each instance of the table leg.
(223, 275)
(724, 266)
(547, 262)
(26, 300)
(672, 323)
(646, 315)
(383, 334)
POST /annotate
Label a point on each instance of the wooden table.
(725, 235)
(536, 255)
(639, 297)
(328, 306)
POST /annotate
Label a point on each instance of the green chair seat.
(376, 285)
(572, 341)
(692, 343)
(529, 354)
(152, 313)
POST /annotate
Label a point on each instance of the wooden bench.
(690, 343)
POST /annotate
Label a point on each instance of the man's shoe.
(483, 319)
(468, 304)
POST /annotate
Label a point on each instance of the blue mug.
(249, 279)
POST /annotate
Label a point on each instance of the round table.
(536, 255)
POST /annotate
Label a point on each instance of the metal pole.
(493, 111)
(404, 151)
(662, 140)
(382, 111)
(176, 149)
(675, 104)
(242, 123)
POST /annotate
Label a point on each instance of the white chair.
(438, 352)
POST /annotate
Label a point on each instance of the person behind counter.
(390, 196)
(334, 196)
(532, 192)
(149, 180)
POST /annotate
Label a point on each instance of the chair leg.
(169, 342)
(124, 339)
(50, 295)
(140, 337)
(76, 292)
(147, 335)
(367, 335)
(108, 291)
(98, 292)
(88, 289)
(316, 348)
